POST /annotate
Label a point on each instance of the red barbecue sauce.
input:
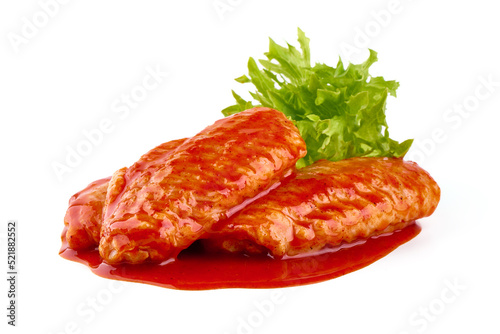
(195, 269)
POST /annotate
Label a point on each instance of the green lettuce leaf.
(340, 112)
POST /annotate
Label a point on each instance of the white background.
(69, 73)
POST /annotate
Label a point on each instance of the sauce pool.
(195, 269)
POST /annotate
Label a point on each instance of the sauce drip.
(195, 269)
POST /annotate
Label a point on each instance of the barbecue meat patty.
(154, 213)
(328, 203)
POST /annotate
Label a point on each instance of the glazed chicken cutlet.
(328, 203)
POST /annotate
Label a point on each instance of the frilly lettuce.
(340, 112)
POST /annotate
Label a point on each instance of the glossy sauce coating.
(83, 218)
(154, 214)
(85, 212)
(196, 269)
(328, 203)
